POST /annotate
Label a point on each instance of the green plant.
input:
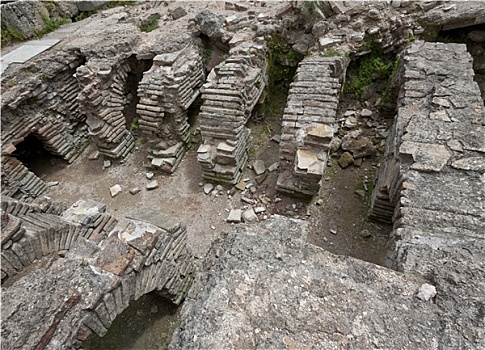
(111, 4)
(81, 16)
(258, 84)
(225, 56)
(11, 83)
(370, 67)
(310, 6)
(331, 52)
(45, 78)
(151, 23)
(10, 34)
(50, 25)
(134, 125)
(410, 38)
(266, 130)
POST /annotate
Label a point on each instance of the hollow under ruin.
(243, 174)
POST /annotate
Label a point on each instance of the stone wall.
(309, 122)
(232, 90)
(166, 92)
(92, 266)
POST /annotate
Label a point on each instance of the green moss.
(369, 68)
(331, 52)
(151, 23)
(111, 4)
(10, 34)
(81, 16)
(310, 7)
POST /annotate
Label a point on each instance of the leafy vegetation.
(10, 34)
(50, 25)
(310, 6)
(331, 52)
(151, 23)
(369, 68)
(111, 4)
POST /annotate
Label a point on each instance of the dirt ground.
(181, 195)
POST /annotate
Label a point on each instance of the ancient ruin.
(295, 175)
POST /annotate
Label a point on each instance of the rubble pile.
(166, 92)
(309, 122)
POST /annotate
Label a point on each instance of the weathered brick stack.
(232, 90)
(309, 121)
(49, 112)
(102, 100)
(92, 278)
(18, 182)
(166, 92)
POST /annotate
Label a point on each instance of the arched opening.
(135, 75)
(147, 323)
(36, 158)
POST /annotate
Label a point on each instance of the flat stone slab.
(426, 156)
(115, 190)
(152, 185)
(26, 52)
(259, 167)
(249, 215)
(321, 131)
(234, 216)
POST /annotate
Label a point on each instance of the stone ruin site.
(243, 175)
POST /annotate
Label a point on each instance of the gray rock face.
(266, 291)
(210, 24)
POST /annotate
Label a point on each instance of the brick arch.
(70, 297)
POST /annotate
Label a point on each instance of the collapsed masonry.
(48, 111)
(102, 100)
(309, 123)
(232, 90)
(92, 265)
(166, 92)
(276, 291)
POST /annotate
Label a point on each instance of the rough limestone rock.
(266, 288)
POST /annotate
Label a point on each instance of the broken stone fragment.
(177, 13)
(426, 292)
(259, 167)
(115, 190)
(234, 216)
(276, 138)
(94, 156)
(359, 147)
(106, 164)
(249, 215)
(260, 178)
(366, 113)
(259, 210)
(345, 160)
(241, 185)
(135, 190)
(273, 167)
(152, 185)
(208, 188)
